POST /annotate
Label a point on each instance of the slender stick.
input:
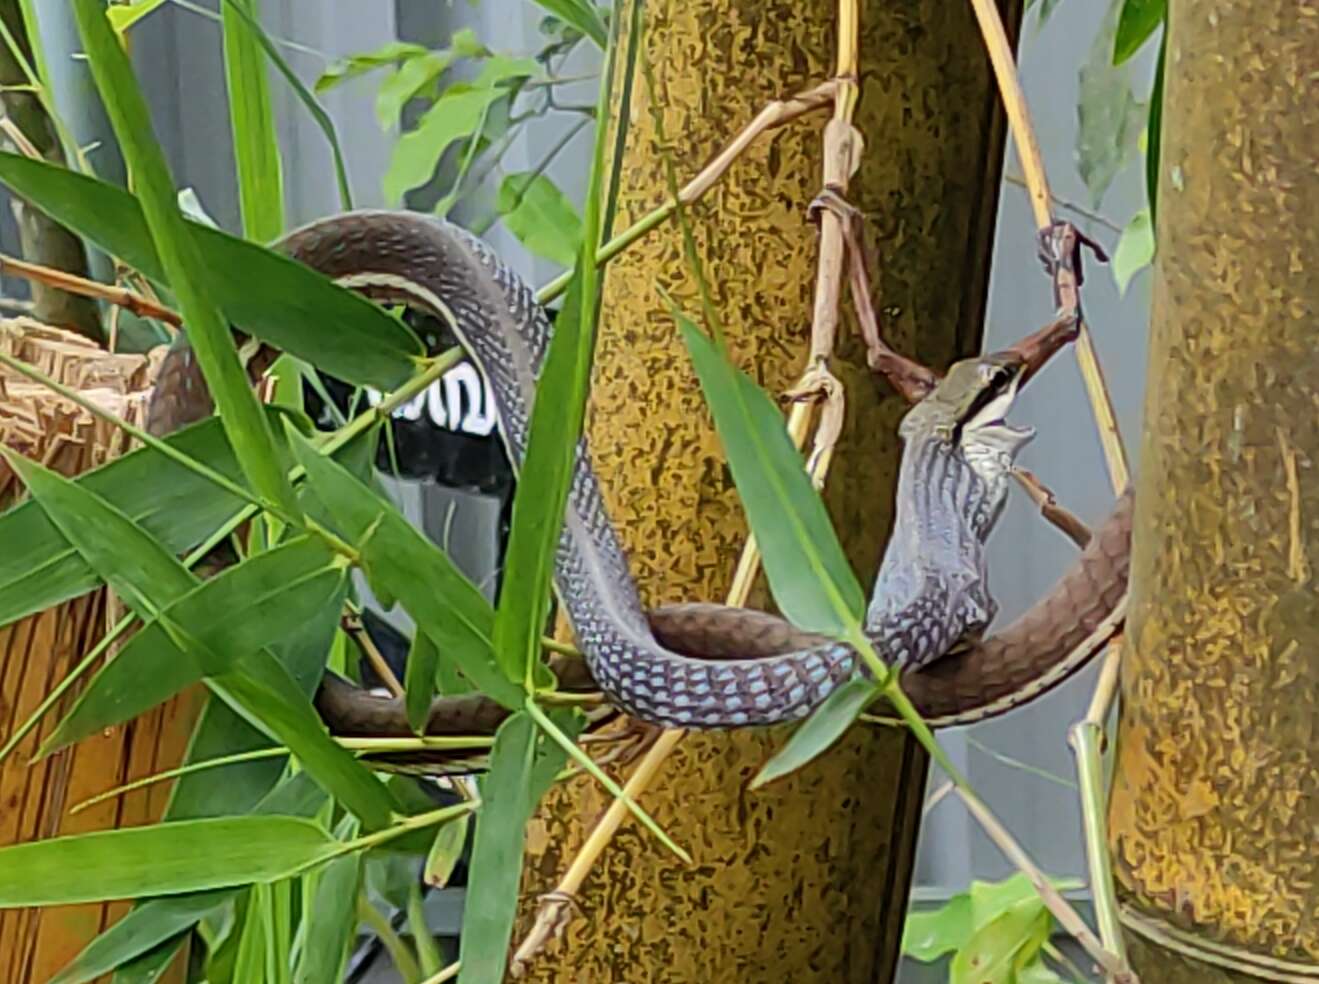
(774, 115)
(1086, 736)
(121, 297)
(1037, 186)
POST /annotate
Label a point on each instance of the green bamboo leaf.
(188, 856)
(246, 608)
(175, 505)
(419, 680)
(506, 806)
(541, 216)
(253, 938)
(582, 15)
(213, 343)
(279, 301)
(252, 119)
(1002, 945)
(146, 926)
(149, 580)
(332, 916)
(157, 922)
(446, 850)
(808, 573)
(817, 734)
(454, 116)
(1137, 22)
(1154, 132)
(308, 100)
(557, 413)
(401, 563)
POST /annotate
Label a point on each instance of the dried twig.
(143, 307)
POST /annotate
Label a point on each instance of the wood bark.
(807, 879)
(1214, 812)
(43, 239)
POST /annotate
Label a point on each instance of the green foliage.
(995, 933)
(1137, 22)
(1135, 249)
(1111, 118)
(541, 216)
(256, 143)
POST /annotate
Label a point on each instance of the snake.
(702, 665)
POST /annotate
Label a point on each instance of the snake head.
(967, 409)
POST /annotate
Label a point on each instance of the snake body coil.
(692, 666)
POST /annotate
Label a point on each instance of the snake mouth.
(989, 424)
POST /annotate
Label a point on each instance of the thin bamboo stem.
(1037, 187)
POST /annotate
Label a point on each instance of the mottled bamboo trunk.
(37, 652)
(1215, 806)
(806, 880)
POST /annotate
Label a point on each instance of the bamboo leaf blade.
(247, 607)
(491, 901)
(150, 580)
(817, 734)
(406, 566)
(175, 505)
(269, 295)
(213, 344)
(809, 575)
(161, 859)
(252, 120)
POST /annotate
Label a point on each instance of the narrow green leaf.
(446, 850)
(429, 958)
(817, 734)
(541, 216)
(246, 608)
(213, 343)
(401, 563)
(491, 900)
(252, 119)
(331, 917)
(279, 301)
(557, 413)
(149, 580)
(582, 15)
(1135, 249)
(175, 505)
(1139, 19)
(419, 680)
(808, 573)
(1154, 132)
(188, 856)
(159, 921)
(151, 923)
(455, 116)
(258, 920)
(308, 100)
